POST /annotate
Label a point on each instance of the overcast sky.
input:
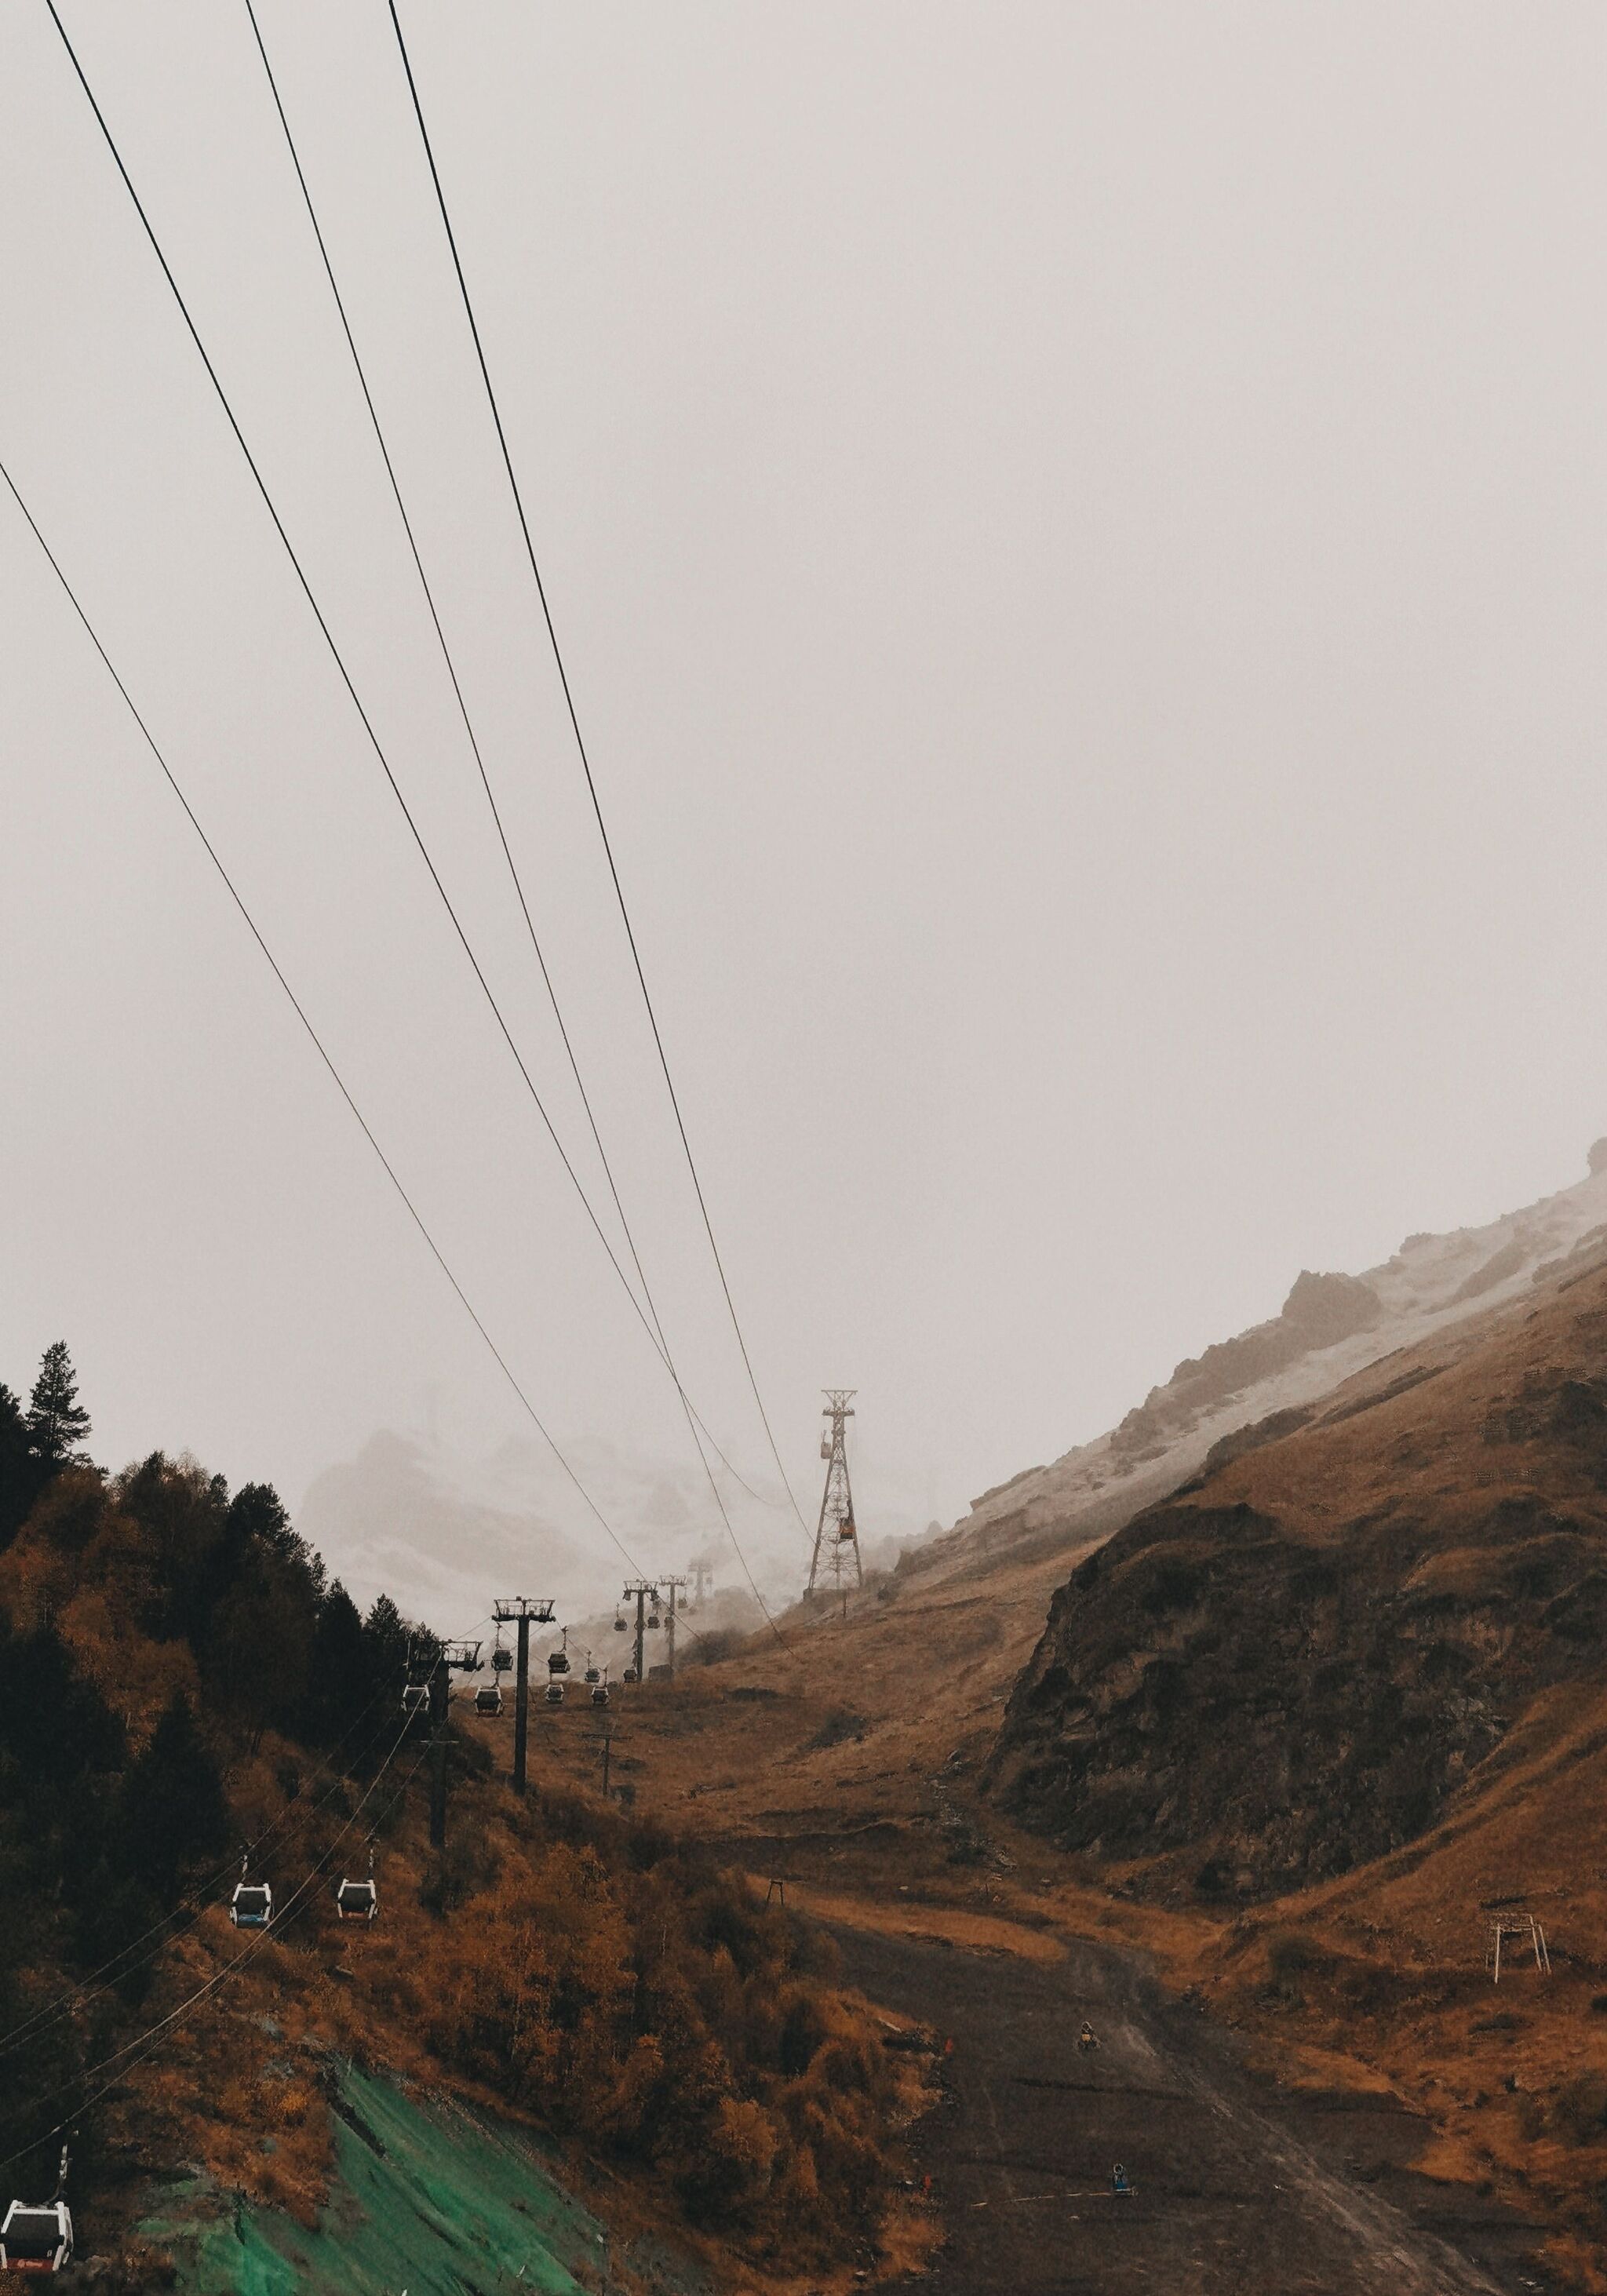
(1077, 534)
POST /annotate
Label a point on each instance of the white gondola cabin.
(251, 1907)
(415, 1697)
(35, 2239)
(357, 1901)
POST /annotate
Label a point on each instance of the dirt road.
(1239, 2189)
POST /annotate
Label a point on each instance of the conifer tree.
(174, 1809)
(57, 1421)
(19, 1469)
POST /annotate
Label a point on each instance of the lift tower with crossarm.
(836, 1533)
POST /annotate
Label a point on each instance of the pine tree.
(57, 1421)
(19, 1469)
(174, 1810)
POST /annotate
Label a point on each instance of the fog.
(1077, 537)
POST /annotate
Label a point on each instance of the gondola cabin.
(600, 1693)
(35, 2239)
(594, 1673)
(415, 1698)
(631, 1675)
(501, 1660)
(554, 1694)
(356, 1901)
(558, 1662)
(488, 1700)
(251, 1907)
(618, 1623)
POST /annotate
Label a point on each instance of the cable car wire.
(198, 1895)
(339, 662)
(473, 740)
(163, 2025)
(574, 716)
(318, 1045)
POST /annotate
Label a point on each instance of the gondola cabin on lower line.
(251, 1907)
(488, 1699)
(554, 1693)
(357, 1901)
(415, 1697)
(38, 2239)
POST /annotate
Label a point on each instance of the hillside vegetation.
(176, 1678)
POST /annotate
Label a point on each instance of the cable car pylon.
(836, 1528)
(518, 1611)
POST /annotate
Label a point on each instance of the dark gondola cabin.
(488, 1700)
(251, 1907)
(554, 1694)
(600, 1693)
(35, 2239)
(558, 1662)
(631, 1675)
(356, 1901)
(594, 1673)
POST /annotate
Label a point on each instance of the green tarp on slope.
(425, 2196)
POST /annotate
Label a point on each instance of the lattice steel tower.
(836, 1531)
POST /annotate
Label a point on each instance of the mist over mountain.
(445, 1527)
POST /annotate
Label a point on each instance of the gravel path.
(1240, 2188)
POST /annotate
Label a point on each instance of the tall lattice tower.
(836, 1533)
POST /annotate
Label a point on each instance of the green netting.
(426, 2197)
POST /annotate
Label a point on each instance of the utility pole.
(641, 1588)
(674, 1585)
(836, 1528)
(519, 1610)
(465, 1657)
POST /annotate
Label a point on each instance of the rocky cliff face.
(1294, 1663)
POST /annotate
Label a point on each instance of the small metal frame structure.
(1519, 1928)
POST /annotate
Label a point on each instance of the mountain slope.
(1330, 1327)
(1292, 1664)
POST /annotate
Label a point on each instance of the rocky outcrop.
(1288, 1667)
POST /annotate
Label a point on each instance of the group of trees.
(175, 1666)
(154, 1627)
